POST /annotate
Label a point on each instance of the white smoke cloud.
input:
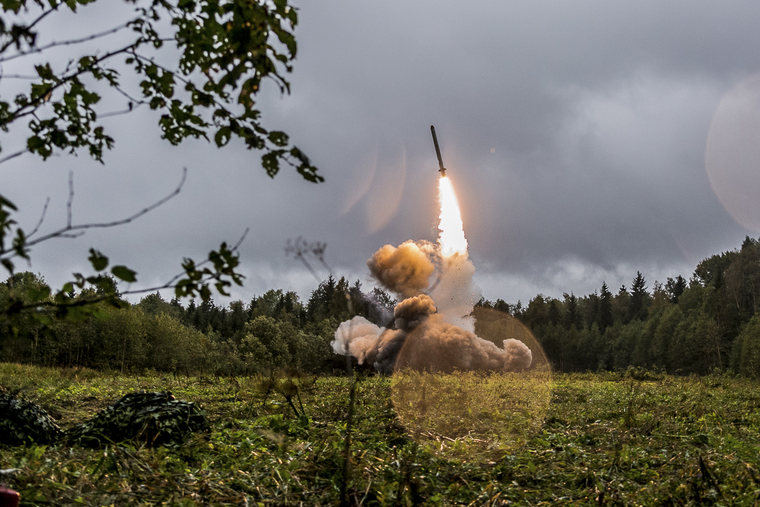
(355, 337)
(455, 293)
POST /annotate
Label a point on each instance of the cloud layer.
(575, 134)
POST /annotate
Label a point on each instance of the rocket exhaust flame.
(451, 229)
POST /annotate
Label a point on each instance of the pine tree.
(572, 315)
(639, 298)
(554, 313)
(621, 305)
(605, 308)
(675, 287)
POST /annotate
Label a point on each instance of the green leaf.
(8, 265)
(278, 138)
(222, 136)
(44, 71)
(124, 273)
(271, 162)
(8, 204)
(98, 260)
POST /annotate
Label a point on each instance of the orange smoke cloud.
(404, 270)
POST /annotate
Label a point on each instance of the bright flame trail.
(452, 238)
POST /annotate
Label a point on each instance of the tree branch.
(18, 76)
(106, 297)
(170, 284)
(300, 248)
(70, 201)
(62, 43)
(13, 155)
(32, 106)
(131, 105)
(39, 18)
(42, 218)
(65, 231)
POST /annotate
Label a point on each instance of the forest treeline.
(708, 322)
(273, 331)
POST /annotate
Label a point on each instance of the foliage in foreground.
(606, 440)
(200, 64)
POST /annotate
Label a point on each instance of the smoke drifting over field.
(432, 329)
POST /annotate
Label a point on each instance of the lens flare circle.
(732, 154)
(475, 414)
(466, 384)
(451, 237)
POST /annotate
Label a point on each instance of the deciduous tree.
(199, 64)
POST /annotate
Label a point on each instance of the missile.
(442, 169)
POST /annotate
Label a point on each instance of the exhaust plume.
(437, 346)
(404, 270)
(432, 328)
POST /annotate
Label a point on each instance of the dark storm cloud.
(597, 114)
(574, 133)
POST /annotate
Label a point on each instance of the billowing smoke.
(432, 328)
(405, 270)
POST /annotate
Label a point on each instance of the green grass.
(604, 440)
(469, 415)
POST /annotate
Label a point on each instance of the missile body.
(442, 169)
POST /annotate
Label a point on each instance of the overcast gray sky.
(575, 134)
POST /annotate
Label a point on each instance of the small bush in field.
(151, 418)
(23, 422)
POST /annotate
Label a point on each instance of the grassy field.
(601, 439)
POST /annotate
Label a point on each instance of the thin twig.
(42, 16)
(118, 113)
(42, 218)
(300, 248)
(89, 301)
(139, 102)
(170, 283)
(63, 43)
(72, 236)
(70, 201)
(131, 105)
(32, 106)
(13, 155)
(39, 18)
(115, 223)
